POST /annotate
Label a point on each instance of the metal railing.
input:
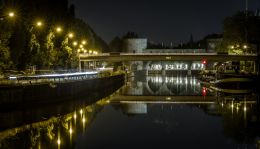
(47, 78)
(163, 54)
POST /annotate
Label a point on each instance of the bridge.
(116, 57)
(166, 61)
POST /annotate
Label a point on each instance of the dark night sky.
(158, 20)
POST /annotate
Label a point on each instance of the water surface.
(153, 112)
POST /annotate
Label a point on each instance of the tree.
(116, 45)
(24, 45)
(239, 30)
(5, 61)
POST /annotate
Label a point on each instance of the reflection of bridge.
(159, 85)
(164, 99)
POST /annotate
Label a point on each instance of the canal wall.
(35, 94)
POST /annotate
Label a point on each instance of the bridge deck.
(167, 57)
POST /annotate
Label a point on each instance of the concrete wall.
(45, 93)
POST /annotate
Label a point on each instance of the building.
(135, 45)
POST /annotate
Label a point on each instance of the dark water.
(152, 112)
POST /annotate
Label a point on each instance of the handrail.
(162, 54)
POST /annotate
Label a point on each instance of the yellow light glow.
(71, 35)
(81, 111)
(232, 105)
(245, 46)
(70, 131)
(81, 46)
(11, 14)
(39, 24)
(78, 50)
(75, 116)
(84, 42)
(75, 43)
(232, 47)
(90, 51)
(58, 29)
(85, 51)
(58, 141)
(83, 120)
(245, 108)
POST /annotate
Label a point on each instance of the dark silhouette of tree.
(27, 46)
(241, 29)
(116, 45)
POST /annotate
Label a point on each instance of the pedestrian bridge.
(215, 57)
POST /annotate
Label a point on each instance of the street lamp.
(11, 14)
(75, 43)
(71, 35)
(58, 29)
(84, 42)
(39, 24)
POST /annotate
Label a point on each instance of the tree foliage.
(241, 29)
(24, 45)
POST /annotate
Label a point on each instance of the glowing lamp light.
(75, 43)
(84, 42)
(245, 109)
(232, 105)
(71, 35)
(84, 120)
(11, 14)
(58, 29)
(58, 141)
(75, 116)
(81, 111)
(39, 24)
(70, 131)
(204, 91)
(204, 62)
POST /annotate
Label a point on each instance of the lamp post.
(10, 14)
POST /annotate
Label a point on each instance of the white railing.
(163, 54)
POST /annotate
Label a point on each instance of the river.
(150, 112)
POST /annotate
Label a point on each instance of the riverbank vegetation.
(43, 34)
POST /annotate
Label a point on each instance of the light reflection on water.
(131, 118)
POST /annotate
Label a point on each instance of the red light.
(204, 91)
(204, 62)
